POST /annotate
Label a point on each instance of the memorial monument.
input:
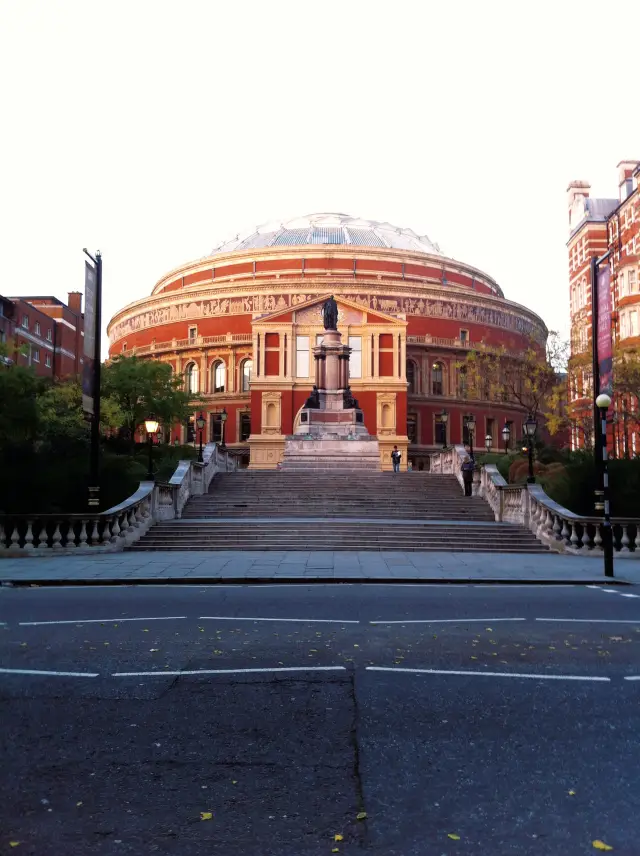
(331, 434)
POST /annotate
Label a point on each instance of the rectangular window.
(622, 284)
(412, 428)
(355, 360)
(47, 361)
(193, 334)
(441, 431)
(49, 335)
(37, 328)
(302, 356)
(245, 427)
(633, 281)
(633, 323)
(216, 428)
(36, 355)
(25, 322)
(464, 336)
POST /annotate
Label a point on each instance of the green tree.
(144, 387)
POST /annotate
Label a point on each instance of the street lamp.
(488, 442)
(151, 425)
(200, 422)
(506, 436)
(530, 428)
(444, 418)
(471, 427)
(223, 419)
(603, 403)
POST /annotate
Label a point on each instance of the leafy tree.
(144, 387)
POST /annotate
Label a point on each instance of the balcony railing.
(192, 342)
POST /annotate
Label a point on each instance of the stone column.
(231, 372)
(203, 374)
(376, 355)
(261, 342)
(396, 355)
(256, 367)
(403, 359)
(281, 339)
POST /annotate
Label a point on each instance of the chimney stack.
(75, 302)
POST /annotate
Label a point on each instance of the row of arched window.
(218, 377)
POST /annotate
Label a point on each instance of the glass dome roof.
(329, 229)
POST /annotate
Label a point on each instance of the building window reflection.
(437, 375)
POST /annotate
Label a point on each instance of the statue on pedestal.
(313, 402)
(330, 314)
(348, 400)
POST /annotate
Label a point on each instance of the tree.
(528, 378)
(141, 388)
(19, 418)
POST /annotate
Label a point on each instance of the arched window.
(191, 378)
(412, 377)
(437, 375)
(246, 368)
(218, 376)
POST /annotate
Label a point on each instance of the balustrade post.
(624, 543)
(574, 535)
(565, 532)
(3, 545)
(40, 540)
(586, 540)
(556, 528)
(83, 534)
(71, 536)
(56, 538)
(115, 530)
(597, 538)
(28, 538)
(95, 534)
(15, 537)
(636, 540)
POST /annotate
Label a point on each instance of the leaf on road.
(453, 836)
(488, 629)
(335, 849)
(153, 649)
(362, 815)
(572, 793)
(14, 844)
(600, 845)
(78, 804)
(338, 837)
(206, 815)
(144, 630)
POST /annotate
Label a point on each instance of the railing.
(116, 528)
(528, 505)
(192, 342)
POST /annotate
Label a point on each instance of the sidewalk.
(256, 566)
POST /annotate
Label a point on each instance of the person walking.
(468, 466)
(395, 459)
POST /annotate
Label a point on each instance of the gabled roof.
(370, 315)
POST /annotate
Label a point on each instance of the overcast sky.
(153, 130)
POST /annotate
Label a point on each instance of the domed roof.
(329, 229)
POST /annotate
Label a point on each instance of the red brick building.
(595, 227)
(48, 333)
(240, 326)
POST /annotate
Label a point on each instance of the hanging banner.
(90, 297)
(603, 333)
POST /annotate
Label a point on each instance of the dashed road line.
(632, 678)
(446, 620)
(229, 671)
(302, 620)
(102, 620)
(488, 674)
(55, 674)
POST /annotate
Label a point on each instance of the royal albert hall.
(240, 326)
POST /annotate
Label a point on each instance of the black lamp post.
(488, 442)
(471, 427)
(506, 436)
(223, 419)
(151, 424)
(603, 402)
(200, 422)
(444, 418)
(530, 428)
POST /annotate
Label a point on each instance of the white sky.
(152, 130)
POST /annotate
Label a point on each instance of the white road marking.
(446, 620)
(230, 671)
(487, 674)
(102, 620)
(623, 594)
(58, 674)
(593, 620)
(303, 620)
(632, 678)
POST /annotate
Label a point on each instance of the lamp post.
(471, 427)
(530, 428)
(444, 418)
(223, 419)
(151, 424)
(488, 442)
(506, 436)
(200, 422)
(603, 402)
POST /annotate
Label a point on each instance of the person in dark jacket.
(468, 466)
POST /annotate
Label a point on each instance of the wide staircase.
(267, 510)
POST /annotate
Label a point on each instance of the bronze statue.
(313, 402)
(330, 314)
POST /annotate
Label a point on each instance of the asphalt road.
(452, 719)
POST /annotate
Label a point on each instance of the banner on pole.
(90, 296)
(603, 333)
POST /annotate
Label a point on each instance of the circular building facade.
(240, 326)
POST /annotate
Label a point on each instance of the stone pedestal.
(332, 434)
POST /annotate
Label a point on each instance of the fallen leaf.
(79, 803)
(338, 837)
(489, 629)
(453, 836)
(153, 649)
(234, 781)
(335, 849)
(572, 793)
(144, 630)
(600, 845)
(361, 815)
(206, 815)
(14, 844)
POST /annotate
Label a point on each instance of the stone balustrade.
(528, 505)
(117, 527)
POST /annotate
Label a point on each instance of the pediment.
(349, 312)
